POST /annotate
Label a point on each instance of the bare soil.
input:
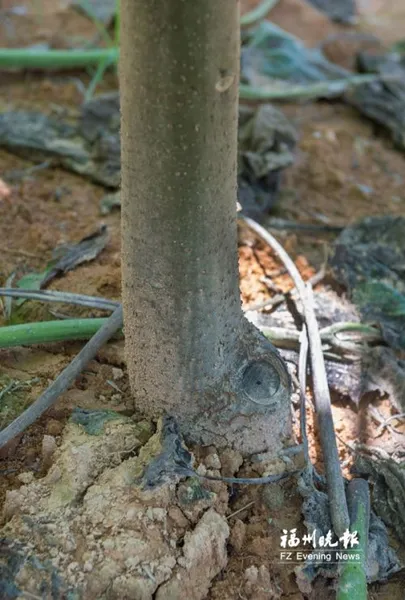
(343, 171)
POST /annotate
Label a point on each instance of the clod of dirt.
(91, 515)
(258, 584)
(49, 448)
(204, 555)
(231, 461)
(212, 461)
(117, 374)
(53, 427)
(26, 477)
(238, 534)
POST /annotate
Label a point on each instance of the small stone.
(54, 475)
(159, 514)
(359, 191)
(132, 513)
(178, 518)
(238, 533)
(213, 472)
(117, 373)
(132, 562)
(264, 577)
(69, 545)
(26, 477)
(251, 574)
(231, 462)
(201, 469)
(54, 427)
(212, 461)
(48, 450)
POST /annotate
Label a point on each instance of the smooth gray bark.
(190, 352)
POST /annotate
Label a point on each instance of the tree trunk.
(190, 351)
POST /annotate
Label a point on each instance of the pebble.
(231, 461)
(48, 450)
(212, 461)
(117, 373)
(238, 534)
(54, 427)
(26, 477)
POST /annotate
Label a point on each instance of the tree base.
(249, 410)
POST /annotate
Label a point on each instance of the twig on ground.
(384, 423)
(65, 379)
(279, 298)
(350, 347)
(67, 298)
(302, 378)
(274, 301)
(242, 480)
(336, 490)
(248, 505)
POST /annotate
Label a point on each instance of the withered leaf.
(86, 250)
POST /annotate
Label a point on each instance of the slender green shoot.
(43, 332)
(24, 58)
(352, 583)
(96, 79)
(117, 22)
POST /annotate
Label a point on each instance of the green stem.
(103, 57)
(82, 329)
(352, 583)
(117, 28)
(97, 77)
(49, 331)
(70, 59)
(58, 59)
